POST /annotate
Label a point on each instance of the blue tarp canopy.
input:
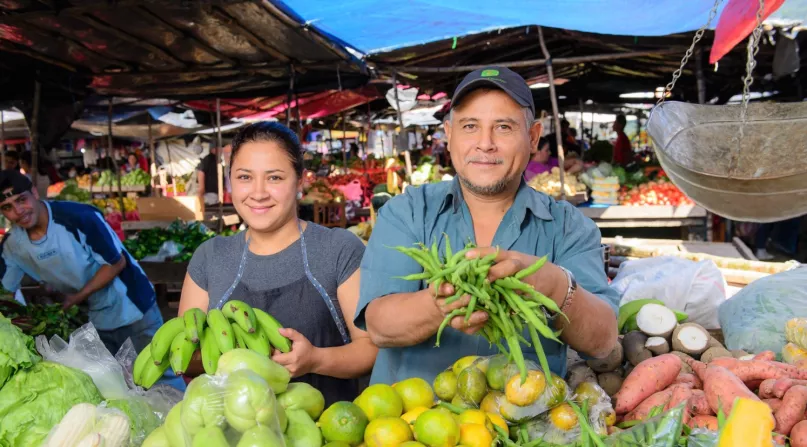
(373, 26)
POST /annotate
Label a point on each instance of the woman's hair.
(270, 132)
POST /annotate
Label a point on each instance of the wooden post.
(2, 141)
(344, 140)
(153, 156)
(35, 134)
(407, 155)
(220, 164)
(555, 113)
(112, 156)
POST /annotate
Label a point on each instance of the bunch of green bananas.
(236, 325)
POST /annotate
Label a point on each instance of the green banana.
(631, 325)
(269, 325)
(152, 373)
(140, 363)
(161, 342)
(194, 324)
(181, 352)
(257, 342)
(241, 313)
(210, 351)
(240, 343)
(222, 330)
(680, 316)
(628, 311)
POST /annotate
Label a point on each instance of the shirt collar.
(526, 199)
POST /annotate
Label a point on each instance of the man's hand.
(303, 357)
(474, 324)
(71, 300)
(549, 279)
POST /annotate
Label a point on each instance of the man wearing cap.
(491, 135)
(70, 247)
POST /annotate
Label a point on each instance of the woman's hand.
(303, 357)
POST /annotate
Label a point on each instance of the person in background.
(131, 163)
(12, 160)
(303, 274)
(70, 248)
(42, 177)
(623, 151)
(207, 176)
(543, 161)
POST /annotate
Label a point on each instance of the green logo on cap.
(489, 73)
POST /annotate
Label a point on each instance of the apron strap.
(337, 318)
(238, 276)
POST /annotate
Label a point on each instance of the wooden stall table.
(690, 218)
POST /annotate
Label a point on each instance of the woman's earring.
(299, 196)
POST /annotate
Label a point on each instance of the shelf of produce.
(646, 216)
(112, 189)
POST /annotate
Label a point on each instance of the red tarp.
(315, 105)
(737, 20)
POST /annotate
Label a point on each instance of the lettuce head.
(17, 351)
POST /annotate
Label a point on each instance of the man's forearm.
(105, 275)
(592, 327)
(347, 362)
(402, 319)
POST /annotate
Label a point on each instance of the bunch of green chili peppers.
(510, 303)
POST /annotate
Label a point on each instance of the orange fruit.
(563, 417)
(387, 431)
(524, 394)
(475, 435)
(414, 392)
(435, 428)
(380, 400)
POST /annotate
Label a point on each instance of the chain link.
(751, 62)
(698, 36)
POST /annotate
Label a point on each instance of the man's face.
(22, 209)
(490, 141)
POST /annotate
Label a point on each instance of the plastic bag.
(168, 250)
(87, 424)
(695, 288)
(87, 352)
(754, 319)
(660, 431)
(227, 411)
(796, 332)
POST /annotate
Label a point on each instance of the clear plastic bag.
(90, 425)
(85, 351)
(239, 409)
(660, 431)
(167, 250)
(754, 319)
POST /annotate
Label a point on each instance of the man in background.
(207, 176)
(623, 151)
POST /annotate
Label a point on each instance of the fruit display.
(250, 333)
(549, 183)
(659, 192)
(113, 204)
(519, 305)
(187, 236)
(72, 192)
(137, 177)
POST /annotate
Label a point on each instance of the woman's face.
(132, 160)
(542, 156)
(265, 186)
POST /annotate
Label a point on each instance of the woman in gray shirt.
(305, 275)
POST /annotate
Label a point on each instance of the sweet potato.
(703, 421)
(753, 385)
(749, 370)
(794, 404)
(680, 394)
(691, 379)
(698, 405)
(782, 385)
(643, 409)
(699, 368)
(765, 355)
(775, 404)
(766, 388)
(722, 387)
(793, 371)
(798, 435)
(648, 377)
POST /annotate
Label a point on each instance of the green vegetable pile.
(512, 305)
(189, 236)
(72, 193)
(138, 177)
(43, 319)
(17, 351)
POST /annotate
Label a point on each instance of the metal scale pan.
(755, 171)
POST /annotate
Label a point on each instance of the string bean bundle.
(511, 304)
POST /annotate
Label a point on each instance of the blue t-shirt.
(535, 224)
(77, 243)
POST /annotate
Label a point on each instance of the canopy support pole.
(701, 81)
(289, 96)
(407, 155)
(112, 156)
(555, 113)
(220, 164)
(152, 155)
(2, 141)
(344, 140)
(35, 134)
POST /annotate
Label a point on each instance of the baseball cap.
(501, 78)
(14, 179)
